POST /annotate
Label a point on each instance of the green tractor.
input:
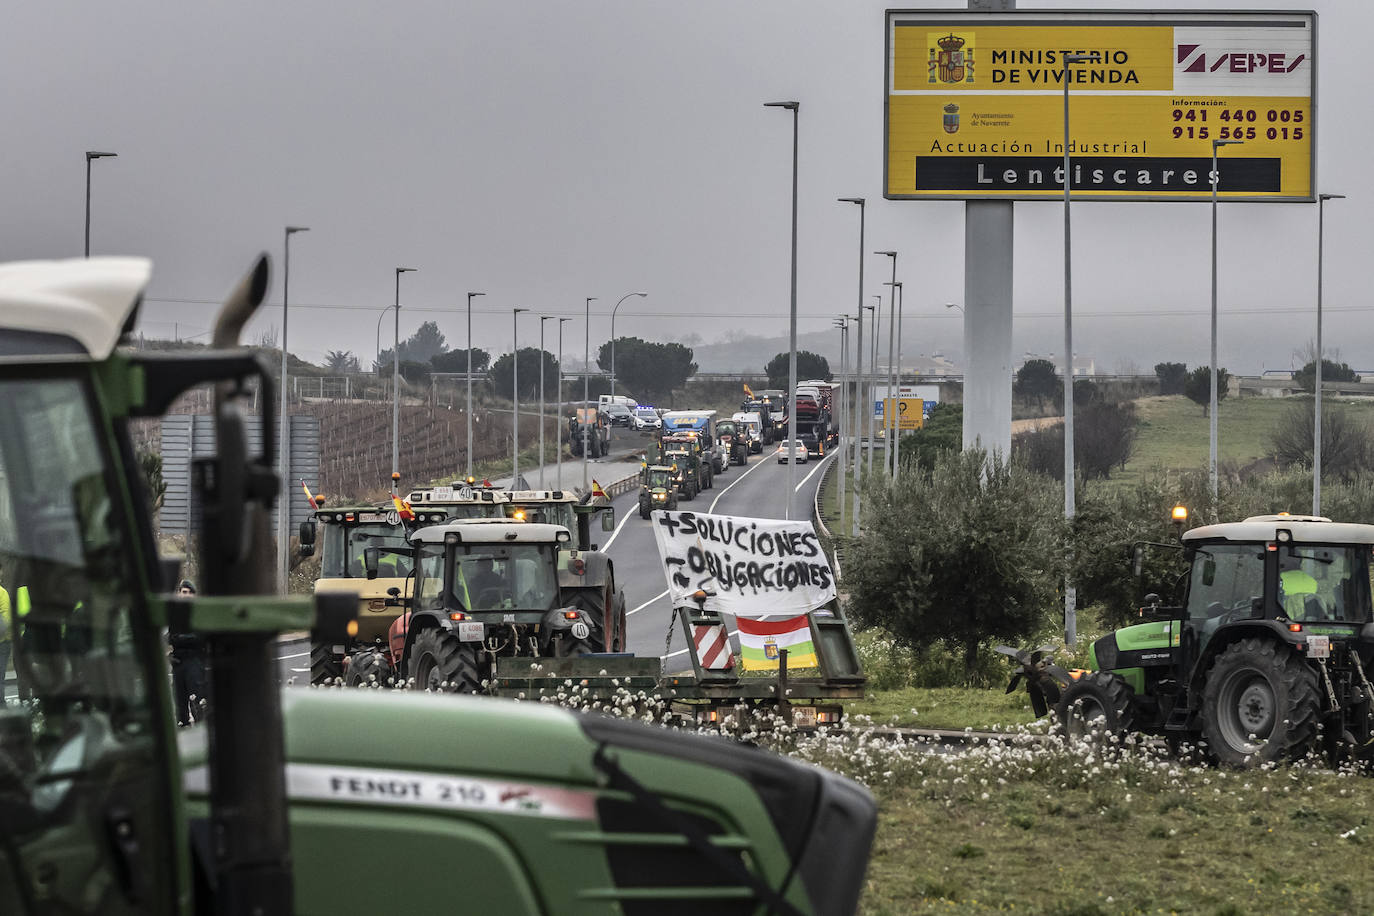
(283, 801)
(1262, 656)
(657, 490)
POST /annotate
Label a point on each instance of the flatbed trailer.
(707, 695)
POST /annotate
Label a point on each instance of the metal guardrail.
(818, 518)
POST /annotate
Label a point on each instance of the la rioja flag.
(760, 640)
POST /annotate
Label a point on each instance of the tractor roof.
(1304, 528)
(72, 307)
(492, 531)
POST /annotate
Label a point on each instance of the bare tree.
(1346, 445)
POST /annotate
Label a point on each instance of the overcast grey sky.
(546, 151)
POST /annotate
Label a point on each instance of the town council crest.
(951, 119)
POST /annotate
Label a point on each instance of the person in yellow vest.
(20, 639)
(1298, 592)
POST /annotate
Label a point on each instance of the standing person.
(188, 669)
(6, 639)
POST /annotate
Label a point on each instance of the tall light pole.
(515, 396)
(1317, 412)
(613, 311)
(1212, 402)
(470, 296)
(859, 354)
(377, 363)
(559, 424)
(842, 322)
(586, 379)
(795, 108)
(891, 328)
(542, 319)
(284, 448)
(91, 154)
(877, 316)
(897, 398)
(396, 380)
(1070, 593)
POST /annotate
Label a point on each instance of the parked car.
(618, 414)
(646, 418)
(802, 453)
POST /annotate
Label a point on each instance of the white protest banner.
(756, 567)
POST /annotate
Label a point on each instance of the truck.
(703, 424)
(814, 426)
(1259, 655)
(282, 800)
(590, 426)
(767, 418)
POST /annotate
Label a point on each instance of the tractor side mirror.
(1209, 571)
(308, 538)
(608, 520)
(371, 556)
(1137, 560)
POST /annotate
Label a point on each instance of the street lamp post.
(613, 311)
(1212, 402)
(795, 108)
(91, 154)
(284, 447)
(515, 397)
(1070, 594)
(542, 319)
(877, 311)
(396, 380)
(1317, 412)
(469, 411)
(897, 398)
(586, 380)
(859, 360)
(377, 363)
(891, 326)
(559, 425)
(842, 322)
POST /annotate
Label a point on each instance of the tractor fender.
(597, 570)
(1234, 632)
(557, 621)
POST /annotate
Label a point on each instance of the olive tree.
(970, 553)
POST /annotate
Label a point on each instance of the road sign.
(910, 413)
(975, 104)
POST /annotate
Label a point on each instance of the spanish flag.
(597, 492)
(403, 509)
(308, 497)
(760, 640)
(748, 392)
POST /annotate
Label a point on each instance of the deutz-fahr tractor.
(732, 442)
(486, 588)
(342, 534)
(656, 489)
(280, 803)
(1263, 651)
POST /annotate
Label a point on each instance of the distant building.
(1083, 366)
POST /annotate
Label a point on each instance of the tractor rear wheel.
(325, 666)
(593, 601)
(440, 662)
(368, 668)
(1260, 704)
(1100, 701)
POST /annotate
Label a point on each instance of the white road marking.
(615, 534)
(282, 658)
(649, 602)
(758, 464)
(819, 464)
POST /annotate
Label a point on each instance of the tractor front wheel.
(1260, 704)
(1096, 701)
(440, 662)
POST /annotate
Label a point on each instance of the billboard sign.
(910, 413)
(975, 105)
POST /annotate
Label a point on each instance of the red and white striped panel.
(713, 646)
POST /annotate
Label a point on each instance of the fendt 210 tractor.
(657, 490)
(282, 802)
(1271, 638)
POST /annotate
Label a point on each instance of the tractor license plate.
(1319, 647)
(804, 716)
(470, 631)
